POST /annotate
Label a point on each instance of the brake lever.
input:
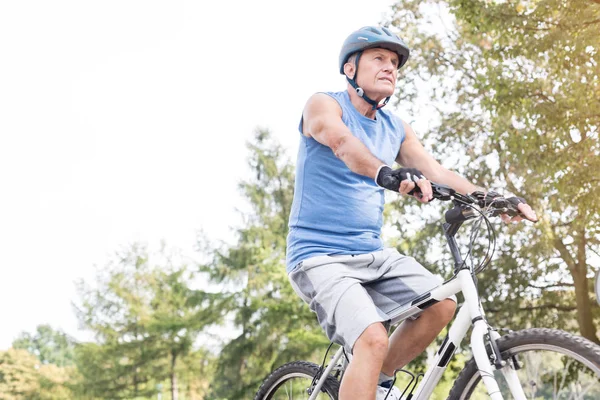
(501, 205)
(442, 192)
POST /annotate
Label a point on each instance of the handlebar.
(463, 210)
(470, 206)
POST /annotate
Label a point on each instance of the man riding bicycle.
(334, 246)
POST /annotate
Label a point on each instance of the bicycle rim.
(295, 386)
(546, 372)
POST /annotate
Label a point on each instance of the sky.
(127, 121)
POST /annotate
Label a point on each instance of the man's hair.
(352, 58)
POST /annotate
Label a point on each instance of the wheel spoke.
(549, 374)
(293, 382)
(549, 364)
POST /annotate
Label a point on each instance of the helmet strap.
(359, 91)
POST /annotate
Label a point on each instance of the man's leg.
(369, 351)
(412, 337)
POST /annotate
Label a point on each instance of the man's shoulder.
(324, 101)
(326, 96)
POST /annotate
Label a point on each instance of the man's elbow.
(339, 145)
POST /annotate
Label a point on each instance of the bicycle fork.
(478, 345)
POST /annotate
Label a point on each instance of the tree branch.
(594, 250)
(581, 256)
(594, 21)
(564, 253)
(563, 224)
(549, 306)
(555, 285)
(540, 307)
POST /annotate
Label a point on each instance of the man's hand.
(518, 202)
(524, 208)
(423, 192)
(405, 181)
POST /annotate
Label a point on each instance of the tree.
(274, 325)
(196, 370)
(514, 86)
(179, 314)
(23, 377)
(145, 317)
(48, 345)
(125, 358)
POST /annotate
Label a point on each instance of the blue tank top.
(336, 211)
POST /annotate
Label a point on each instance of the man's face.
(377, 72)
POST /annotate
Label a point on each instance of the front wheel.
(551, 364)
(293, 381)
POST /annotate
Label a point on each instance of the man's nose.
(388, 66)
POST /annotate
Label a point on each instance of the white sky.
(125, 121)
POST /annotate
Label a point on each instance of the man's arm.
(322, 120)
(413, 154)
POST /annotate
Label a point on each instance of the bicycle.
(525, 364)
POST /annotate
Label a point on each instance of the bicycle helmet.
(366, 38)
(373, 36)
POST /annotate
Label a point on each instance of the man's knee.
(374, 339)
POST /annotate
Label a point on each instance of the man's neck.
(361, 105)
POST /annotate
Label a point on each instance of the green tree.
(48, 345)
(274, 325)
(179, 314)
(125, 358)
(145, 318)
(24, 377)
(196, 371)
(514, 86)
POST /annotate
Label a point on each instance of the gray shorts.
(350, 292)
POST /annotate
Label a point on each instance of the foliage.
(23, 376)
(513, 87)
(48, 345)
(196, 370)
(274, 325)
(146, 318)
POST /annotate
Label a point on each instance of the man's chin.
(386, 90)
(384, 94)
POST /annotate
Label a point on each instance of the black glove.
(485, 199)
(515, 201)
(390, 179)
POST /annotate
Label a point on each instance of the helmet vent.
(374, 30)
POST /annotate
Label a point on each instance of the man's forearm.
(357, 157)
(457, 182)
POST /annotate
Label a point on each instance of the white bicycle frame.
(470, 312)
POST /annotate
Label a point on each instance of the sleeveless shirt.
(334, 210)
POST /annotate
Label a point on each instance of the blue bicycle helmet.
(373, 36)
(366, 38)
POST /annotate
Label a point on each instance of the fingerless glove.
(391, 179)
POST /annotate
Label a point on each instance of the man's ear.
(349, 70)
